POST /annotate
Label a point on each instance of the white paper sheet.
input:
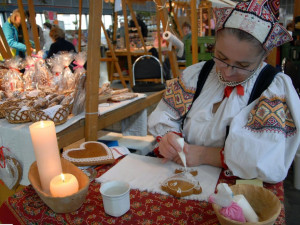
(147, 174)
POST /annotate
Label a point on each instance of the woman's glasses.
(236, 69)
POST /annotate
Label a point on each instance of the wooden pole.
(114, 42)
(3, 51)
(114, 38)
(24, 28)
(79, 28)
(34, 28)
(194, 31)
(177, 21)
(136, 24)
(296, 8)
(209, 15)
(129, 60)
(158, 34)
(4, 47)
(93, 68)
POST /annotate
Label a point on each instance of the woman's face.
(236, 59)
(186, 30)
(18, 20)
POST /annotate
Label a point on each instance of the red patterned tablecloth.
(25, 207)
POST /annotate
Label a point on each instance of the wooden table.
(25, 207)
(76, 131)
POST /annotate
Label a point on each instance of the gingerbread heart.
(90, 153)
(12, 173)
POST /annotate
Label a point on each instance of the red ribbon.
(36, 56)
(28, 66)
(2, 157)
(239, 90)
(11, 68)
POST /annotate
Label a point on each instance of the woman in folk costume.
(246, 118)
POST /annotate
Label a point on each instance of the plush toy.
(224, 198)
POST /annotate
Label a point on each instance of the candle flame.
(42, 124)
(62, 177)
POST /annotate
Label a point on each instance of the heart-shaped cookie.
(12, 173)
(90, 153)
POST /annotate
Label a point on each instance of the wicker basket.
(5, 105)
(61, 204)
(266, 205)
(15, 115)
(60, 116)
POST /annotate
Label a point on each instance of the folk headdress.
(257, 17)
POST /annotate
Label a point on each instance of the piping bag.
(181, 154)
(173, 40)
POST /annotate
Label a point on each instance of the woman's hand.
(194, 155)
(199, 155)
(168, 146)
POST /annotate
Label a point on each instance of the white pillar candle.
(248, 211)
(43, 136)
(63, 185)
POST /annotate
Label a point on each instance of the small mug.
(115, 195)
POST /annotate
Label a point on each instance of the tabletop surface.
(25, 207)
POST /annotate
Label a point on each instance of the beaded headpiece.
(256, 17)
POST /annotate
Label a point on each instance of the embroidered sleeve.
(264, 137)
(178, 97)
(271, 115)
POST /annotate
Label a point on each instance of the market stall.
(51, 86)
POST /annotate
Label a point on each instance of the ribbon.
(77, 65)
(15, 69)
(239, 90)
(28, 66)
(36, 56)
(2, 157)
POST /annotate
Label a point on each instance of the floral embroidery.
(271, 115)
(179, 97)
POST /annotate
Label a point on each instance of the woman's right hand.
(168, 146)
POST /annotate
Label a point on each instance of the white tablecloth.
(17, 137)
(148, 173)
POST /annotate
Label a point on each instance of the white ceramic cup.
(115, 195)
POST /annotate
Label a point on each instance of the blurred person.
(48, 41)
(59, 43)
(10, 30)
(141, 23)
(206, 25)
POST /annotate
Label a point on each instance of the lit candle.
(43, 136)
(63, 185)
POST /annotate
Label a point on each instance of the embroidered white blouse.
(263, 136)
